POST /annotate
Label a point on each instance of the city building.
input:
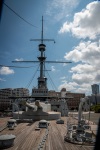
(20, 92)
(60, 101)
(73, 103)
(5, 101)
(19, 100)
(94, 99)
(95, 89)
(64, 101)
(95, 93)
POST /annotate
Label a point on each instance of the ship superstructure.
(42, 91)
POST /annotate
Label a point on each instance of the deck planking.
(27, 138)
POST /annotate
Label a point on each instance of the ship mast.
(42, 80)
(42, 32)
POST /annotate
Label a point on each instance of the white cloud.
(85, 23)
(60, 8)
(81, 68)
(53, 68)
(86, 52)
(74, 87)
(6, 71)
(63, 81)
(82, 78)
(62, 78)
(2, 79)
(69, 86)
(19, 59)
(97, 77)
(86, 71)
(84, 88)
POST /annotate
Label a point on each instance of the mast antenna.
(42, 32)
(42, 38)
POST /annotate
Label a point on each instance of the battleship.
(39, 128)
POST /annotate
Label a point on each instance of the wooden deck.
(27, 138)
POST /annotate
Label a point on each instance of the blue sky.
(75, 26)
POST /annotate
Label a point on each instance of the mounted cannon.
(34, 107)
(36, 111)
(37, 103)
(80, 133)
(30, 106)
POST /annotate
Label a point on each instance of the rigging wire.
(27, 86)
(52, 83)
(15, 66)
(19, 16)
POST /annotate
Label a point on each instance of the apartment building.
(5, 101)
(64, 101)
(20, 92)
(73, 102)
(7, 93)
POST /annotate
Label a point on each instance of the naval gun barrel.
(37, 103)
(30, 106)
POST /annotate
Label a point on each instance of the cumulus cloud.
(97, 77)
(81, 68)
(86, 70)
(60, 8)
(84, 88)
(86, 52)
(75, 87)
(69, 86)
(82, 78)
(85, 23)
(19, 59)
(6, 71)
